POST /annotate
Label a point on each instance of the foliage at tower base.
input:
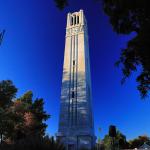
(137, 142)
(22, 121)
(115, 140)
(36, 143)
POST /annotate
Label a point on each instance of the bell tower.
(76, 128)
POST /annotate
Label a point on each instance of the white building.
(76, 128)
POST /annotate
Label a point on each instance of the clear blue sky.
(32, 57)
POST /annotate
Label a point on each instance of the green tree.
(107, 142)
(137, 142)
(36, 143)
(115, 140)
(31, 116)
(61, 4)
(121, 140)
(112, 134)
(5, 124)
(7, 93)
(22, 117)
(40, 115)
(127, 16)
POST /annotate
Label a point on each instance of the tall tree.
(137, 142)
(121, 140)
(32, 116)
(7, 93)
(22, 117)
(61, 4)
(40, 115)
(112, 134)
(127, 16)
(115, 139)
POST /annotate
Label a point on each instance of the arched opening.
(71, 21)
(77, 19)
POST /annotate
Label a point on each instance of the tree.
(31, 116)
(115, 139)
(137, 142)
(61, 4)
(107, 142)
(121, 140)
(127, 16)
(112, 134)
(5, 124)
(36, 143)
(7, 93)
(112, 131)
(20, 118)
(40, 115)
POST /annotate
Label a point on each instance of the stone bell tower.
(76, 128)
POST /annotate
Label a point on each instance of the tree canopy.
(20, 117)
(61, 4)
(139, 141)
(22, 121)
(7, 92)
(127, 16)
(115, 139)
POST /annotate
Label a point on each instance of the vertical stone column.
(68, 20)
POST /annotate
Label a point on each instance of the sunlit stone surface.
(76, 128)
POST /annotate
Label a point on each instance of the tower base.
(77, 142)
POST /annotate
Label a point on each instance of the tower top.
(75, 19)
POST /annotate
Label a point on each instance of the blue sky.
(32, 57)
